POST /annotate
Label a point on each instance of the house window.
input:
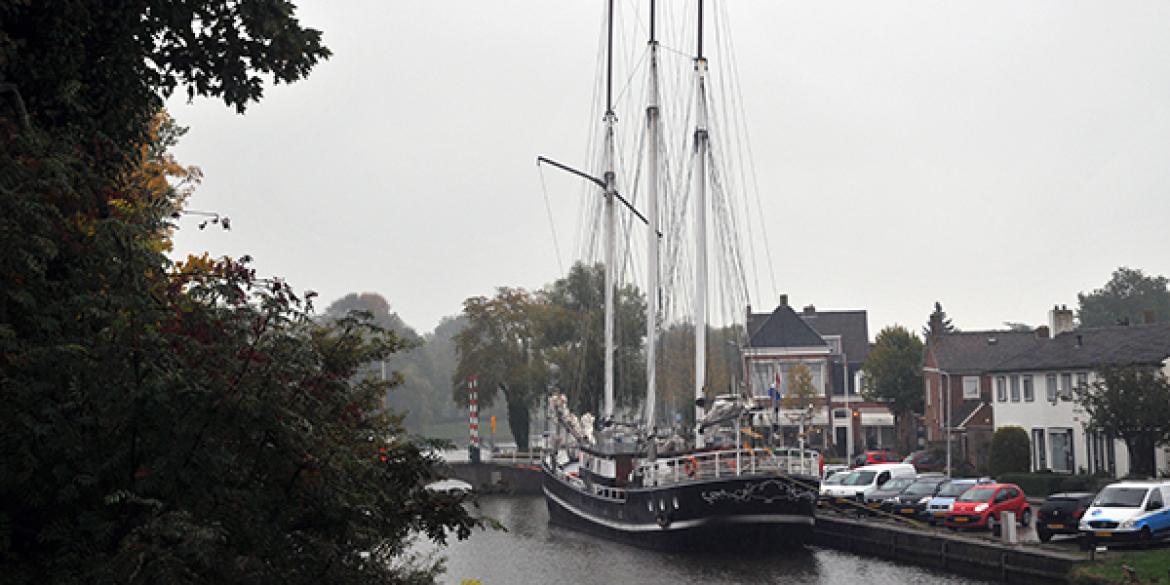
(1001, 388)
(1066, 386)
(970, 387)
(1029, 396)
(763, 378)
(1082, 381)
(1039, 455)
(926, 384)
(1015, 380)
(1050, 382)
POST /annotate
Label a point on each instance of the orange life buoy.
(691, 467)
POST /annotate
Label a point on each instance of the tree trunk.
(518, 416)
(1141, 454)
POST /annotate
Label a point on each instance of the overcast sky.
(997, 156)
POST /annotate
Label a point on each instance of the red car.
(876, 456)
(982, 505)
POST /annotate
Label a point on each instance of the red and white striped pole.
(473, 405)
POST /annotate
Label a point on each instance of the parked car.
(983, 505)
(875, 456)
(913, 500)
(886, 491)
(1128, 511)
(927, 461)
(832, 468)
(453, 487)
(1061, 514)
(938, 506)
(866, 479)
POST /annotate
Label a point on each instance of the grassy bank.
(1150, 566)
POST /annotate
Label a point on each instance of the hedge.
(1040, 485)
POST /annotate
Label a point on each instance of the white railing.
(728, 463)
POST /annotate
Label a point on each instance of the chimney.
(809, 309)
(1042, 332)
(1060, 319)
(784, 300)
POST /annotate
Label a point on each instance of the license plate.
(960, 519)
(907, 510)
(1102, 534)
(875, 505)
(1056, 525)
(842, 501)
(939, 514)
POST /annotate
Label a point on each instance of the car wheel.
(1145, 537)
(993, 524)
(1044, 535)
(1026, 518)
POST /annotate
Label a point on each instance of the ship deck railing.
(728, 463)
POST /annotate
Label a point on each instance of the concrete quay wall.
(947, 552)
(494, 478)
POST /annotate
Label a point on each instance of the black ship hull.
(744, 512)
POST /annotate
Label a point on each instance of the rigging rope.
(551, 223)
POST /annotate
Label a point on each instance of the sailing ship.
(627, 481)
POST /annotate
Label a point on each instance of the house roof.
(1092, 347)
(975, 352)
(781, 328)
(852, 326)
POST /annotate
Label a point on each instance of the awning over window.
(877, 419)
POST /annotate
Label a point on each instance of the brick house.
(833, 345)
(957, 386)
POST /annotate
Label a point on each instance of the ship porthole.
(675, 502)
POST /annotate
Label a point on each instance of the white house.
(1035, 390)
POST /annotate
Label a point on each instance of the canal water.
(532, 551)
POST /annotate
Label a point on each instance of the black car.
(912, 501)
(893, 487)
(1061, 513)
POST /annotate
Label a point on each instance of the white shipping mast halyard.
(622, 487)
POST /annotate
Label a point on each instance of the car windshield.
(954, 489)
(1120, 497)
(921, 488)
(859, 478)
(834, 479)
(977, 494)
(897, 484)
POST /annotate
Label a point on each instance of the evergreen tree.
(938, 323)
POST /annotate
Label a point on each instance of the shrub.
(1010, 451)
(1044, 483)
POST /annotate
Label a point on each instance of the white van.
(865, 479)
(1128, 511)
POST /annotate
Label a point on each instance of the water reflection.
(532, 551)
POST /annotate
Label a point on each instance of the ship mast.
(610, 180)
(652, 234)
(700, 154)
